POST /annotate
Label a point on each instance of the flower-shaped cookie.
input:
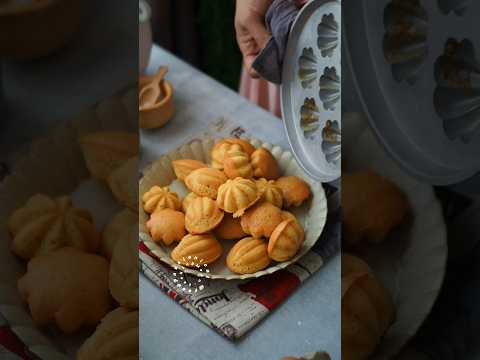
(167, 225)
(158, 198)
(68, 288)
(221, 147)
(45, 224)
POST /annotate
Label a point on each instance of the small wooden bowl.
(158, 114)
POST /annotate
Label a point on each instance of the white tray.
(312, 215)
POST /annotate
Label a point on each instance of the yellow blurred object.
(367, 309)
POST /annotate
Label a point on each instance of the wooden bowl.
(26, 30)
(161, 112)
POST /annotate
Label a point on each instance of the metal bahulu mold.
(457, 95)
(330, 88)
(328, 35)
(332, 142)
(405, 40)
(307, 68)
(459, 7)
(311, 90)
(309, 117)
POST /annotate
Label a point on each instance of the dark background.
(202, 33)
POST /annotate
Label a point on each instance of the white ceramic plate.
(411, 262)
(311, 215)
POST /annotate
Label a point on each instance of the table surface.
(308, 321)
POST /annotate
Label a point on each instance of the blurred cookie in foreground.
(367, 309)
(68, 288)
(372, 207)
(115, 338)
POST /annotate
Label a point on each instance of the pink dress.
(261, 92)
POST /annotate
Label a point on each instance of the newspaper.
(234, 307)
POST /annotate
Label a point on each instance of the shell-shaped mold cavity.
(329, 88)
(459, 7)
(457, 95)
(307, 68)
(309, 117)
(328, 35)
(405, 40)
(332, 142)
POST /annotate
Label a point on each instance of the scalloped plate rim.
(317, 189)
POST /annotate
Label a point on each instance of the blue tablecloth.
(308, 321)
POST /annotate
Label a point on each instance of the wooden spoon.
(151, 92)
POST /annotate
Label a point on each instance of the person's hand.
(252, 35)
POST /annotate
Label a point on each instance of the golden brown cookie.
(236, 163)
(202, 215)
(367, 309)
(117, 230)
(286, 240)
(106, 151)
(265, 165)
(219, 150)
(68, 288)
(270, 192)
(166, 225)
(372, 207)
(229, 228)
(235, 196)
(45, 224)
(248, 256)
(158, 198)
(116, 338)
(187, 201)
(184, 167)
(261, 219)
(123, 276)
(123, 183)
(295, 190)
(205, 182)
(245, 144)
(222, 146)
(196, 250)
